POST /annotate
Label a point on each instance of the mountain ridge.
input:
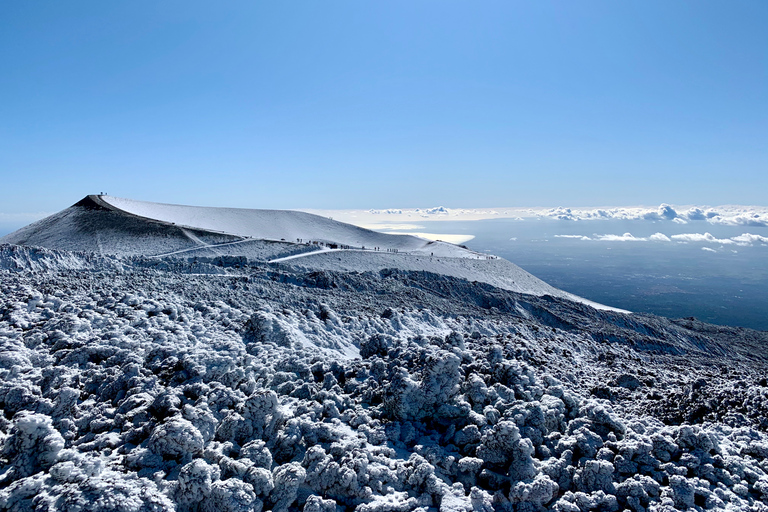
(125, 227)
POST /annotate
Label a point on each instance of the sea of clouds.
(726, 215)
(743, 240)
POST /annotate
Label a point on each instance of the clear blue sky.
(350, 104)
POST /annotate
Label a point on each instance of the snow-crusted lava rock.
(227, 385)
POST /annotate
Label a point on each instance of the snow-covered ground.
(286, 225)
(215, 384)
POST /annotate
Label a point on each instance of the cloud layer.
(728, 215)
(744, 240)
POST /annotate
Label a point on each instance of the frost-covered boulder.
(287, 479)
(33, 445)
(603, 418)
(261, 411)
(433, 396)
(257, 452)
(376, 345)
(264, 327)
(231, 495)
(177, 439)
(196, 481)
(596, 475)
(260, 479)
(538, 492)
(315, 503)
(503, 446)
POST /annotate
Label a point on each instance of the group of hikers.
(342, 246)
(379, 248)
(338, 246)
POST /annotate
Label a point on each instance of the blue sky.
(350, 104)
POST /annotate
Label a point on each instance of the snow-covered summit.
(125, 227)
(285, 225)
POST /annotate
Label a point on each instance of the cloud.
(727, 214)
(749, 238)
(696, 214)
(626, 237)
(664, 211)
(561, 213)
(390, 212)
(577, 237)
(659, 237)
(745, 239)
(738, 215)
(708, 249)
(439, 210)
(629, 237)
(701, 238)
(753, 220)
(667, 212)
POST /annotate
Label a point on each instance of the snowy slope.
(124, 227)
(91, 226)
(276, 225)
(496, 272)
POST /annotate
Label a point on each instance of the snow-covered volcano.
(125, 227)
(119, 226)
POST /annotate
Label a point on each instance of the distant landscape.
(725, 284)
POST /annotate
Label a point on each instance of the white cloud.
(389, 212)
(626, 237)
(708, 249)
(754, 220)
(728, 214)
(438, 210)
(577, 237)
(701, 237)
(744, 239)
(561, 213)
(696, 214)
(749, 239)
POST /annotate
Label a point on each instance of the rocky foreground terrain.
(220, 384)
